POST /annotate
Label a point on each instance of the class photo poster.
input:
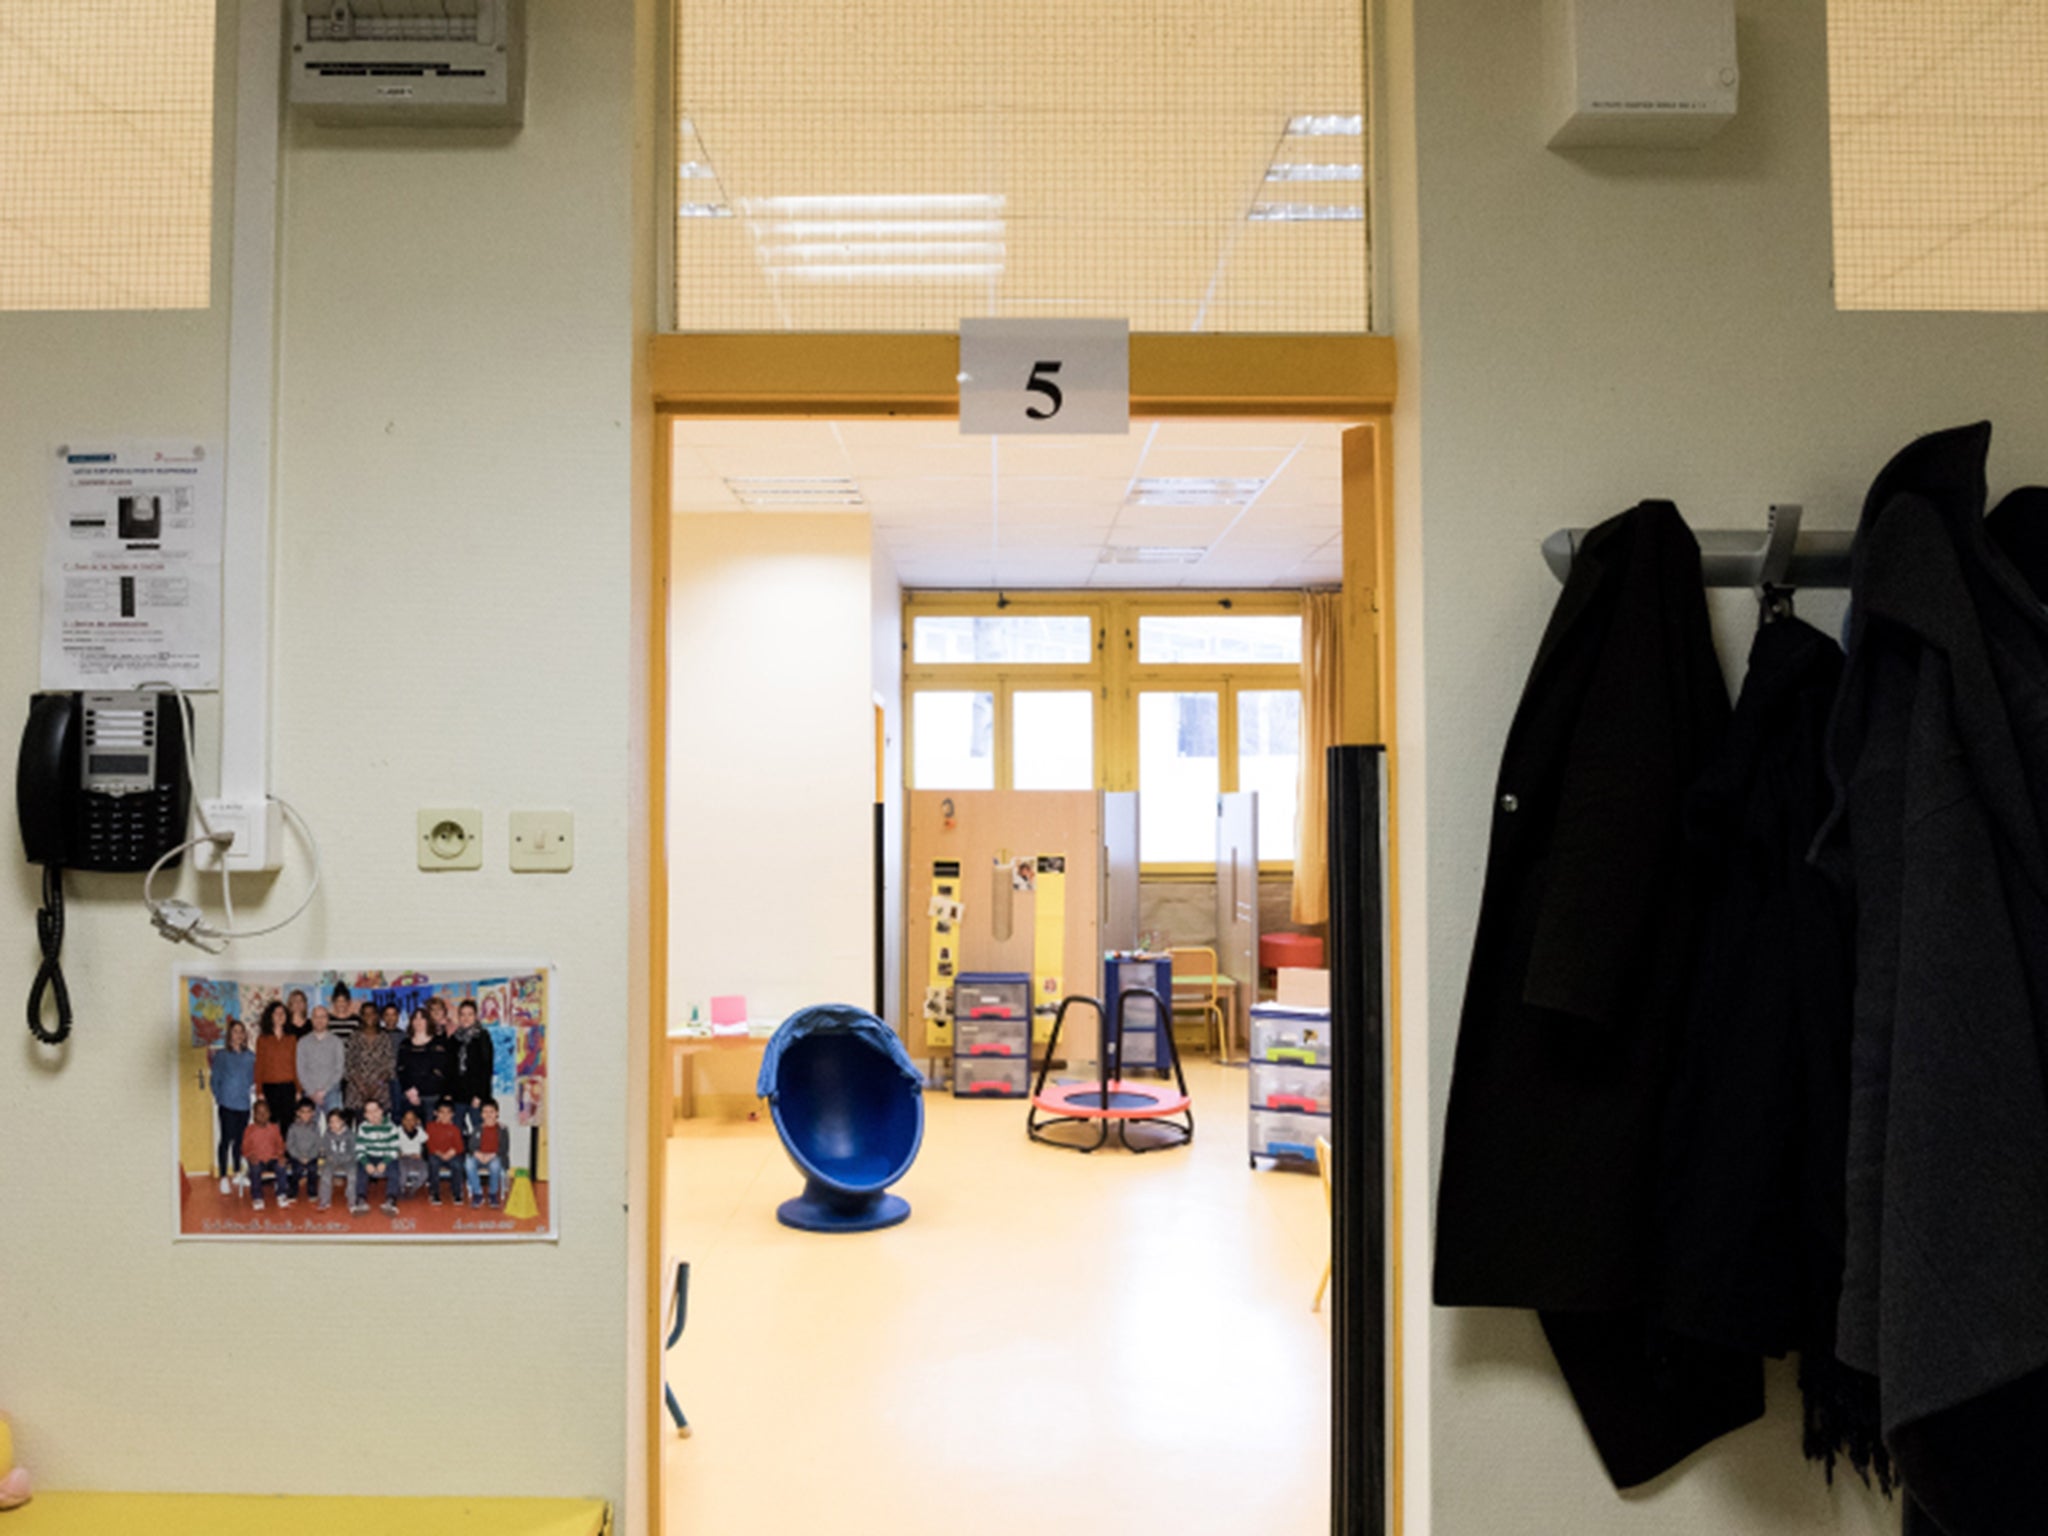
(363, 1103)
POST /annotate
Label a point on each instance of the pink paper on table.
(728, 1010)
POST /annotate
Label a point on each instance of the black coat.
(1756, 1132)
(1575, 1003)
(1939, 752)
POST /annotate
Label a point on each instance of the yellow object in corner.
(520, 1204)
(199, 1514)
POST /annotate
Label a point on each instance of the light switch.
(543, 842)
(451, 839)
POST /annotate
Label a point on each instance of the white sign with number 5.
(1058, 376)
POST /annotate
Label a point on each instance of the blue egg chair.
(848, 1103)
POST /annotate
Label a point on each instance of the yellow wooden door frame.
(1345, 379)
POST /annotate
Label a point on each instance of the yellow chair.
(1198, 993)
(1323, 1167)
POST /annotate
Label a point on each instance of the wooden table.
(681, 1077)
(199, 1514)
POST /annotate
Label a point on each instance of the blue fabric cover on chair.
(848, 1103)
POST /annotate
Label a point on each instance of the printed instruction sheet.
(131, 566)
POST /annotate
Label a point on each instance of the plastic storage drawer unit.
(991, 995)
(991, 1077)
(1277, 1086)
(1300, 1036)
(1144, 1022)
(1287, 1134)
(991, 1037)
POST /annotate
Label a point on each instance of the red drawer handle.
(995, 1086)
(991, 1013)
(1290, 1101)
(978, 1049)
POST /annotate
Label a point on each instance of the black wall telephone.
(102, 781)
(101, 784)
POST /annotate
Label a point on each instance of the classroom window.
(999, 639)
(1179, 775)
(1269, 762)
(1052, 739)
(1218, 640)
(106, 155)
(1178, 696)
(954, 734)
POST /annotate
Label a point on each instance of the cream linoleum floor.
(1051, 1342)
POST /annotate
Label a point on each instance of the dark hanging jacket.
(1939, 754)
(1757, 1128)
(1575, 1003)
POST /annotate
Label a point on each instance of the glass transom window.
(900, 165)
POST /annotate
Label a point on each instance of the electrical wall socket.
(451, 839)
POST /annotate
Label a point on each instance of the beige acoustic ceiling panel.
(106, 154)
(903, 164)
(1939, 113)
(1175, 504)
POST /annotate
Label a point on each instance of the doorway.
(873, 379)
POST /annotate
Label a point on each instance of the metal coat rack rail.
(1784, 559)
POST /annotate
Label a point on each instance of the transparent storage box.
(992, 1037)
(1287, 1135)
(991, 1077)
(1300, 1036)
(1286, 1086)
(991, 995)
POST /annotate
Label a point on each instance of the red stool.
(1290, 950)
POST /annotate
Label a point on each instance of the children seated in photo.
(445, 1156)
(412, 1152)
(488, 1158)
(376, 1158)
(337, 1160)
(263, 1147)
(302, 1146)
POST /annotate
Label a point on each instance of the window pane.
(1061, 639)
(1268, 760)
(1177, 778)
(955, 735)
(1052, 740)
(1219, 639)
(106, 155)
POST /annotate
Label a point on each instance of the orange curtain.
(1322, 677)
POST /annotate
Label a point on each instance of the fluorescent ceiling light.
(912, 202)
(868, 271)
(904, 229)
(842, 250)
(704, 210)
(1152, 554)
(795, 491)
(1193, 491)
(1326, 124)
(1300, 170)
(1305, 213)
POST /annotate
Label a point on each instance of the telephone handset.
(102, 784)
(102, 781)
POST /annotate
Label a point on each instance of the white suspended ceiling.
(1199, 504)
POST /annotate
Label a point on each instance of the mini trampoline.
(1110, 1103)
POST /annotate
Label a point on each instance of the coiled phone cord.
(50, 978)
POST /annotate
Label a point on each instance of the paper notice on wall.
(1049, 944)
(131, 567)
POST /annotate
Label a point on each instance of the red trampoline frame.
(1061, 1104)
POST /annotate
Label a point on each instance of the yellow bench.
(204, 1514)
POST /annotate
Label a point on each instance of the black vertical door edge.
(881, 911)
(1358, 1167)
